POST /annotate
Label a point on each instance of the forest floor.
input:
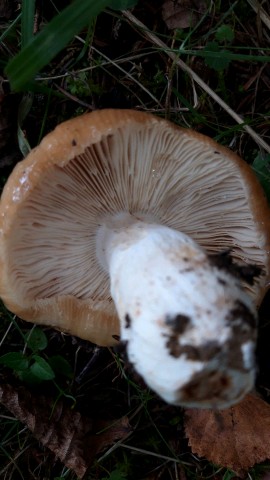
(203, 65)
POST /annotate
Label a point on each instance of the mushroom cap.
(103, 163)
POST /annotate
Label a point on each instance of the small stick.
(156, 41)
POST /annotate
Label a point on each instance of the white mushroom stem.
(190, 328)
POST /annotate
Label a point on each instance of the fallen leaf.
(235, 438)
(73, 438)
(182, 13)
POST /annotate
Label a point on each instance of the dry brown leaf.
(236, 438)
(182, 13)
(73, 438)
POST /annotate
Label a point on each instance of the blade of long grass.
(226, 55)
(27, 25)
(8, 30)
(257, 7)
(50, 41)
(24, 109)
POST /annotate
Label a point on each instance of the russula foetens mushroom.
(105, 228)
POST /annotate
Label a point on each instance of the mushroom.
(116, 223)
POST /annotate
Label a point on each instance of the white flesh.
(190, 328)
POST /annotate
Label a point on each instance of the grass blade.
(7, 31)
(40, 50)
(28, 16)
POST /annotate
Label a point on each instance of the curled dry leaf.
(235, 438)
(182, 13)
(73, 438)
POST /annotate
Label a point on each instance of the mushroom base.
(190, 328)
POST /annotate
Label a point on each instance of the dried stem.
(156, 41)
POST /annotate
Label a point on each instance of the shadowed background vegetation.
(202, 64)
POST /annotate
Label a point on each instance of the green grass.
(62, 61)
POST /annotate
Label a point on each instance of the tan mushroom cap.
(106, 162)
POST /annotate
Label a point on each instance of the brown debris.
(73, 438)
(235, 438)
(182, 13)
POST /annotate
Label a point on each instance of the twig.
(153, 454)
(260, 10)
(156, 41)
(72, 97)
(127, 75)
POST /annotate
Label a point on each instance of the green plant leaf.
(29, 377)
(15, 360)
(116, 474)
(41, 368)
(7, 31)
(215, 57)
(42, 48)
(212, 49)
(122, 4)
(28, 18)
(261, 167)
(36, 339)
(23, 110)
(224, 33)
(60, 365)
(229, 475)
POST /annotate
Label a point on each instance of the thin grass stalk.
(156, 41)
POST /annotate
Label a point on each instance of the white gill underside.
(159, 176)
